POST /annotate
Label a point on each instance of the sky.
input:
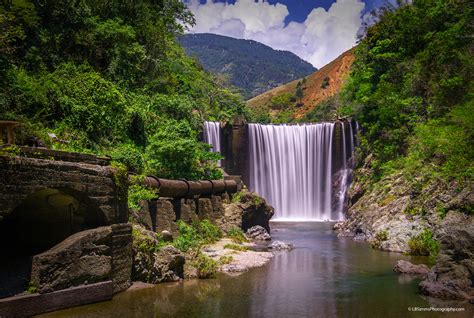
(317, 31)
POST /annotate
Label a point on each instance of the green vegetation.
(424, 244)
(206, 266)
(283, 101)
(109, 78)
(195, 235)
(411, 91)
(382, 236)
(237, 235)
(146, 244)
(31, 288)
(223, 260)
(248, 65)
(138, 193)
(236, 247)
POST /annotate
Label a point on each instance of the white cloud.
(319, 39)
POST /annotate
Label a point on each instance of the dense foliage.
(411, 90)
(248, 65)
(108, 77)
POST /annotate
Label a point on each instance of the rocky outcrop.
(153, 265)
(453, 275)
(247, 210)
(87, 257)
(258, 233)
(83, 258)
(404, 267)
(390, 212)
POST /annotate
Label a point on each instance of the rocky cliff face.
(392, 211)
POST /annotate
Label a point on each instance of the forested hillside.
(411, 90)
(109, 78)
(248, 65)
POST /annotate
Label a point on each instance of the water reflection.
(322, 277)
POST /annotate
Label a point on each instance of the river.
(323, 276)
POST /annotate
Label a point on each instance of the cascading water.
(212, 135)
(344, 174)
(292, 167)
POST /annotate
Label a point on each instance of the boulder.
(258, 233)
(255, 211)
(151, 265)
(168, 265)
(453, 274)
(280, 246)
(404, 267)
(82, 258)
(166, 236)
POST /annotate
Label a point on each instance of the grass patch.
(223, 260)
(236, 247)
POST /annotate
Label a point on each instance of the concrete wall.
(21, 177)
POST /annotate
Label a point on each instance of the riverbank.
(430, 217)
(323, 276)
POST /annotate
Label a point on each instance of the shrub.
(424, 244)
(382, 236)
(188, 237)
(237, 235)
(208, 232)
(206, 266)
(137, 193)
(195, 235)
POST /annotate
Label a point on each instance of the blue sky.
(315, 30)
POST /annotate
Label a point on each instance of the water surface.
(324, 276)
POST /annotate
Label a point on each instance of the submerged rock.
(258, 233)
(404, 267)
(280, 246)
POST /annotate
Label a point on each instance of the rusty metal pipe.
(185, 188)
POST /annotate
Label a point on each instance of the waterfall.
(291, 167)
(212, 136)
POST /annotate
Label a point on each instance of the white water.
(291, 167)
(212, 136)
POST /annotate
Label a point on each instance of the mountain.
(249, 65)
(320, 87)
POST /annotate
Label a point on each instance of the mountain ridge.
(249, 65)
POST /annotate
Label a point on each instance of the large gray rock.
(404, 267)
(83, 258)
(255, 210)
(453, 274)
(258, 233)
(151, 265)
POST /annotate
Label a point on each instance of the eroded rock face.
(404, 267)
(453, 275)
(255, 211)
(83, 258)
(150, 266)
(258, 233)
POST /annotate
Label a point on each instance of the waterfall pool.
(323, 276)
